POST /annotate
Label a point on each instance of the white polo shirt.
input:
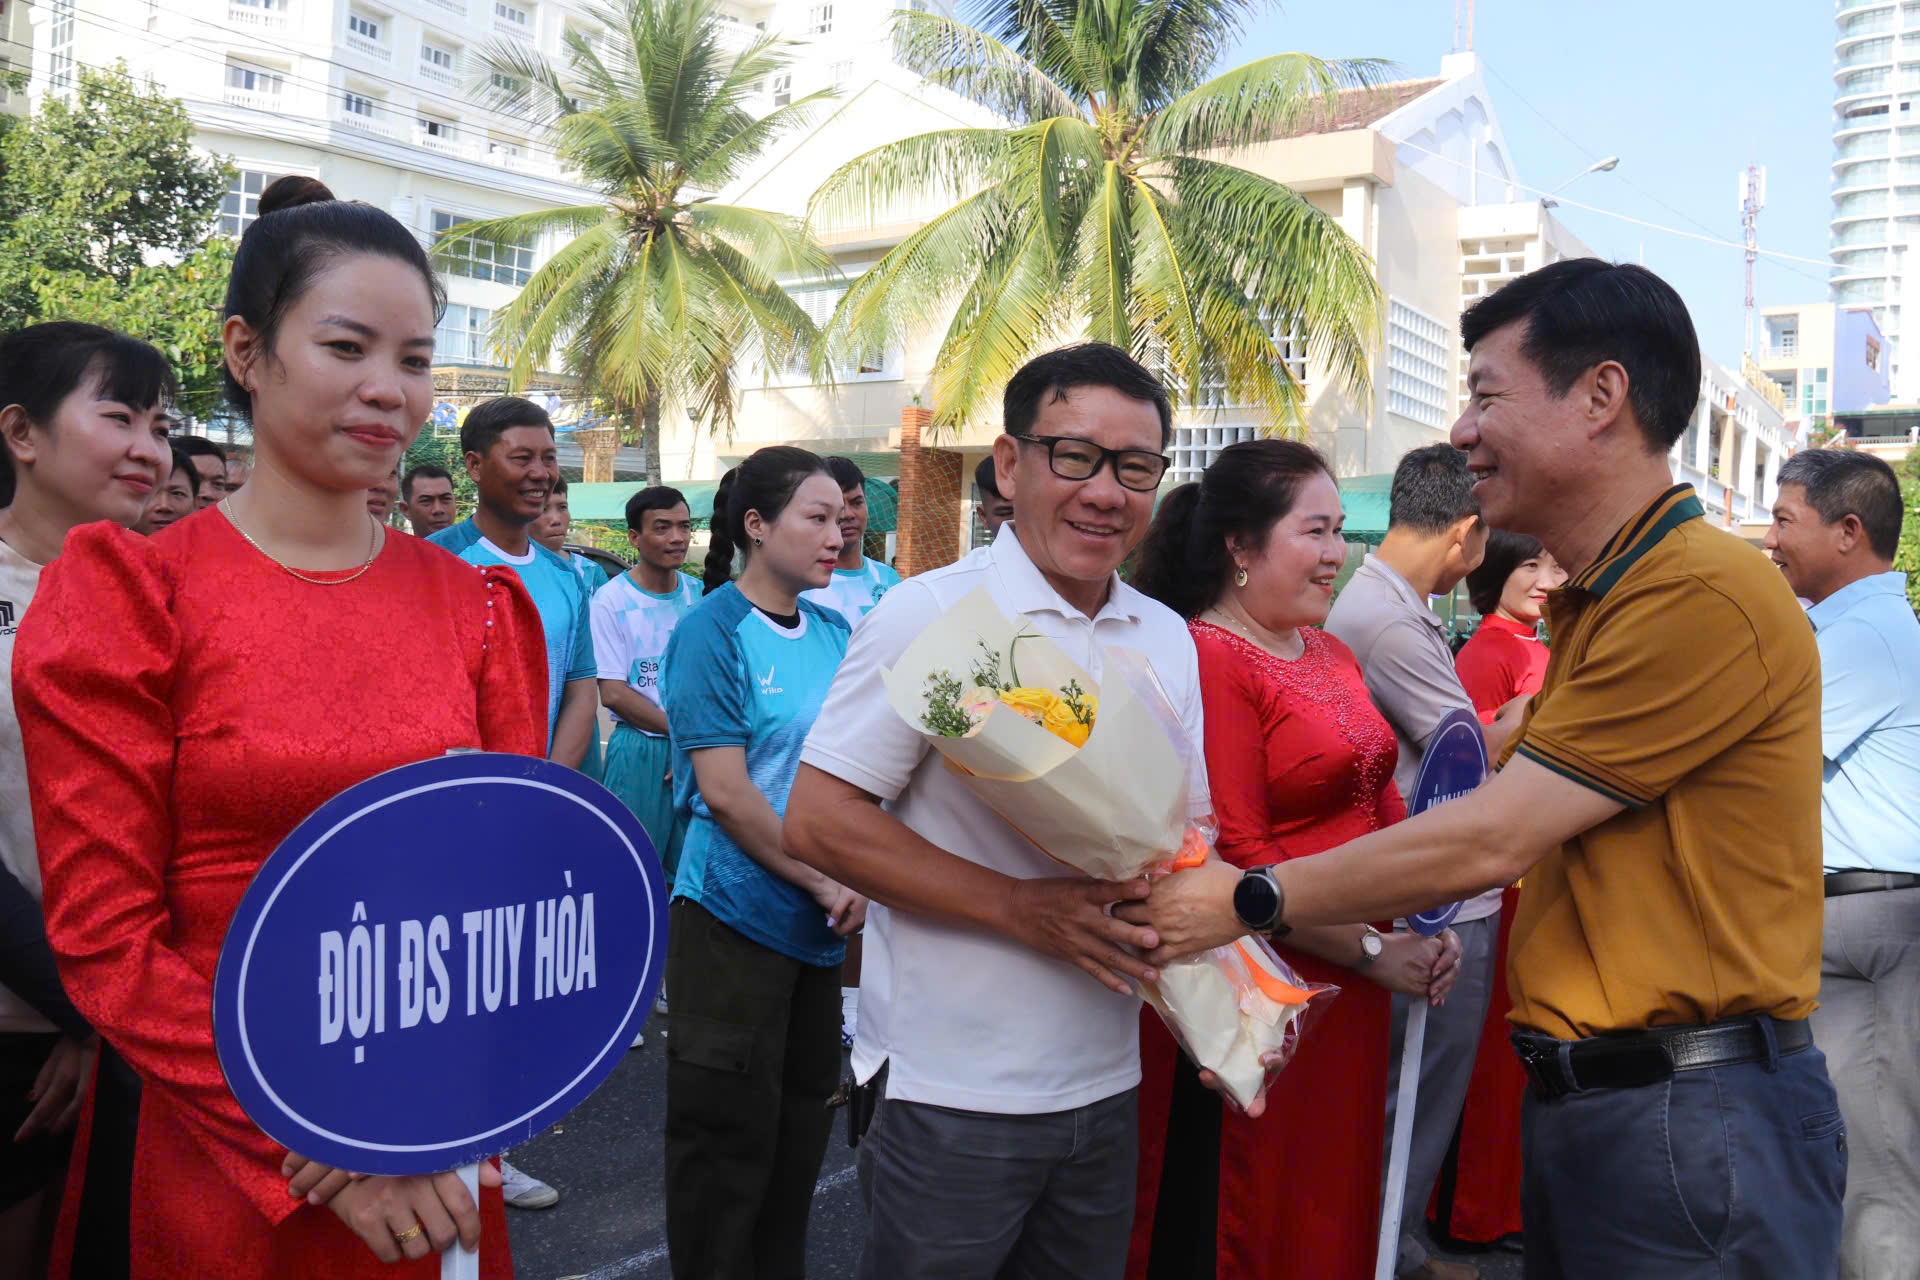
(970, 1019)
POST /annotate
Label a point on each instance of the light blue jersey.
(631, 628)
(853, 592)
(592, 576)
(557, 594)
(735, 678)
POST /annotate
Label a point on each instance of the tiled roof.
(1358, 108)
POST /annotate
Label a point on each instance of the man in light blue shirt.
(1835, 531)
(510, 455)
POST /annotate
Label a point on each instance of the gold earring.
(1240, 576)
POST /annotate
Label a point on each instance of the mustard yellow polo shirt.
(1684, 683)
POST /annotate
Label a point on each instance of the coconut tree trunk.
(650, 435)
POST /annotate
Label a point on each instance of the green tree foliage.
(176, 308)
(105, 214)
(661, 295)
(1907, 560)
(1110, 207)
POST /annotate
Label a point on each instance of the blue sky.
(1685, 92)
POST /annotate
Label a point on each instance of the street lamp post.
(1598, 166)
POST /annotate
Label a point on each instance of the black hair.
(487, 421)
(424, 471)
(1580, 312)
(653, 498)
(300, 230)
(1841, 483)
(846, 473)
(42, 364)
(199, 447)
(1049, 376)
(1185, 561)
(986, 481)
(183, 465)
(1432, 490)
(765, 482)
(559, 485)
(1505, 552)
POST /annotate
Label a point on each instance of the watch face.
(1372, 945)
(1255, 900)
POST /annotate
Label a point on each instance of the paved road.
(610, 1222)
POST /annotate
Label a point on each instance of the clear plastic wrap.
(1096, 775)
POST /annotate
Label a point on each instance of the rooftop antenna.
(1753, 198)
(1458, 46)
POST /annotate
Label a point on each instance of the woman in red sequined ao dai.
(1299, 761)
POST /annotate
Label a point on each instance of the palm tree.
(661, 295)
(1105, 206)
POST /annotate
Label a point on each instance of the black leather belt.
(1841, 883)
(1636, 1058)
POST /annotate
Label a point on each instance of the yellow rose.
(1031, 703)
(1062, 723)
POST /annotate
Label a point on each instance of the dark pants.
(753, 1056)
(974, 1195)
(1733, 1173)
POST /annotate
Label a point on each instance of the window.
(783, 89)
(842, 72)
(358, 104)
(253, 79)
(499, 261)
(1873, 355)
(1195, 447)
(1786, 339)
(818, 300)
(506, 83)
(60, 46)
(433, 130)
(1813, 393)
(1417, 350)
(241, 205)
(361, 25)
(433, 55)
(819, 19)
(511, 14)
(461, 335)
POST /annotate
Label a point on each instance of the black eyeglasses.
(1072, 458)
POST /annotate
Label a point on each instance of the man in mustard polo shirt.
(1663, 804)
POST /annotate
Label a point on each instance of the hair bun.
(291, 191)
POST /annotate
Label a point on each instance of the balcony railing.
(246, 15)
(371, 125)
(1869, 54)
(451, 6)
(1867, 145)
(1867, 24)
(371, 48)
(252, 98)
(437, 73)
(515, 30)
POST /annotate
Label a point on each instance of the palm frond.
(973, 64)
(892, 183)
(1261, 101)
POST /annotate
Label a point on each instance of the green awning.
(608, 502)
(1365, 500)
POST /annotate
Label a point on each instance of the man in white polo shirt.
(1005, 1137)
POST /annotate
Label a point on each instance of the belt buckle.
(1540, 1057)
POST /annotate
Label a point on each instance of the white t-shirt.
(971, 1019)
(852, 593)
(19, 577)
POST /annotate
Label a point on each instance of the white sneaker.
(525, 1192)
(660, 1001)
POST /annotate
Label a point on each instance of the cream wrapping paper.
(1115, 808)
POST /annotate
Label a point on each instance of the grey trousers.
(1446, 1068)
(1868, 1025)
(971, 1195)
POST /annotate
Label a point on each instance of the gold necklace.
(373, 550)
(1234, 624)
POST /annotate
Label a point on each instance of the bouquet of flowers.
(1095, 775)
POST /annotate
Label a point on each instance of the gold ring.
(401, 1237)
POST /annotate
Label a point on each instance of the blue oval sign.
(1455, 763)
(440, 963)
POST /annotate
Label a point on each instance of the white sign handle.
(1392, 1205)
(456, 1263)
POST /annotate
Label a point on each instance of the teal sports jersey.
(631, 628)
(735, 678)
(853, 592)
(557, 594)
(592, 576)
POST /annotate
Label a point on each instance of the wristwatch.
(1371, 945)
(1259, 901)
